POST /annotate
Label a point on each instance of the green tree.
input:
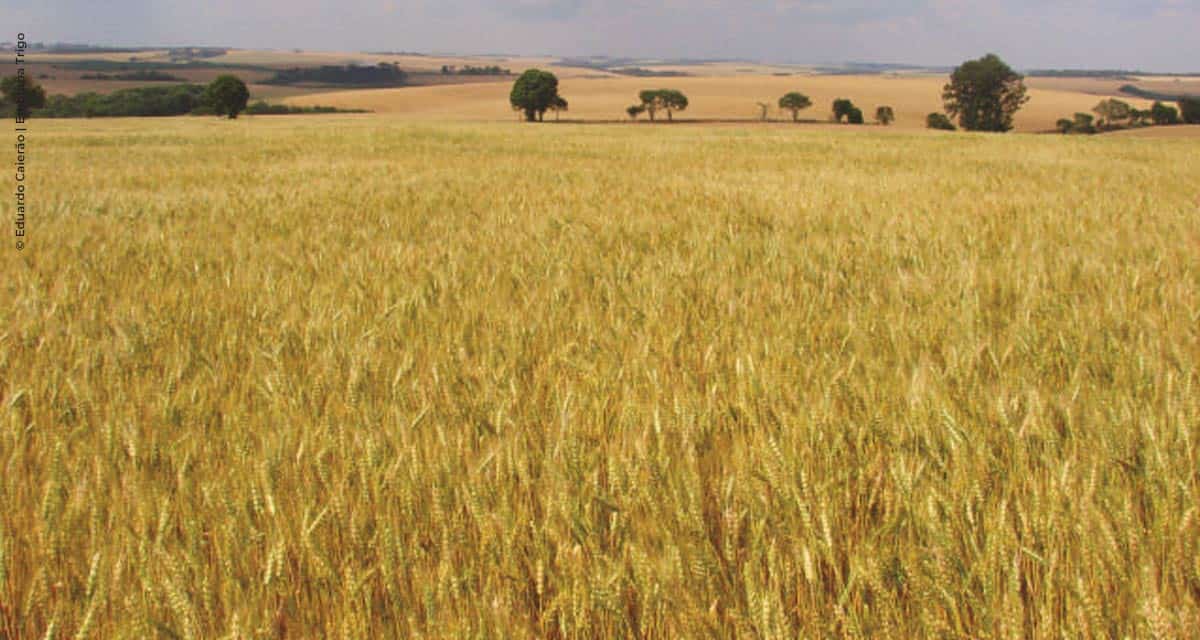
(635, 110)
(227, 95)
(984, 94)
(559, 105)
(885, 115)
(1164, 114)
(855, 116)
(841, 109)
(1189, 110)
(795, 102)
(1064, 125)
(939, 121)
(23, 94)
(1084, 123)
(650, 102)
(1113, 111)
(534, 93)
(669, 100)
(674, 101)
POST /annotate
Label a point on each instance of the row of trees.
(536, 92)
(983, 95)
(227, 96)
(1114, 114)
(651, 101)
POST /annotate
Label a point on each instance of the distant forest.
(134, 76)
(640, 72)
(380, 75)
(1138, 92)
(175, 100)
(1113, 74)
(469, 70)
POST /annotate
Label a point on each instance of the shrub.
(1083, 123)
(939, 121)
(885, 115)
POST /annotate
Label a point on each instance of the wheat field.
(359, 378)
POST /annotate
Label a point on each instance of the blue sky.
(1150, 34)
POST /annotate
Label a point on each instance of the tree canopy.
(1164, 114)
(795, 102)
(227, 95)
(23, 94)
(1189, 110)
(984, 94)
(885, 115)
(534, 93)
(939, 121)
(842, 108)
(1113, 111)
(669, 100)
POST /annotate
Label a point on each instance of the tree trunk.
(530, 115)
(670, 118)
(795, 116)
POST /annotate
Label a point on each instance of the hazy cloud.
(1154, 34)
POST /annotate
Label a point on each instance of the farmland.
(712, 98)
(368, 376)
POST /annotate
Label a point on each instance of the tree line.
(225, 96)
(383, 74)
(982, 95)
(1112, 114)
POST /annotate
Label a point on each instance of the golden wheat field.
(360, 378)
(712, 97)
